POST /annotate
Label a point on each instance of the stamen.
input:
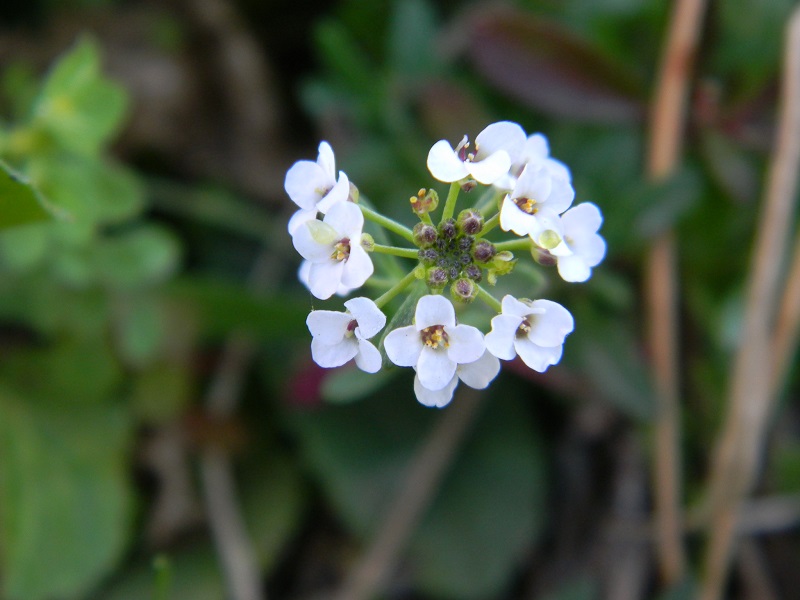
(351, 328)
(524, 327)
(341, 251)
(526, 205)
(435, 336)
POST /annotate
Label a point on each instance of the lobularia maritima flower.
(525, 191)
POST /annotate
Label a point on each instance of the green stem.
(520, 244)
(388, 223)
(396, 251)
(398, 287)
(450, 203)
(489, 225)
(488, 202)
(487, 298)
(426, 218)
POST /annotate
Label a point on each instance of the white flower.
(477, 374)
(304, 275)
(486, 163)
(333, 247)
(533, 329)
(434, 345)
(533, 206)
(341, 336)
(587, 248)
(313, 186)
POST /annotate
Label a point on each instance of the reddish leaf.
(549, 68)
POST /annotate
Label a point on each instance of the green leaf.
(20, 202)
(346, 385)
(77, 106)
(411, 38)
(141, 256)
(64, 496)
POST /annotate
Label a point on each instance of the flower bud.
(428, 256)
(448, 229)
(424, 235)
(367, 242)
(483, 251)
(474, 272)
(436, 278)
(549, 239)
(464, 290)
(502, 264)
(425, 201)
(470, 221)
(469, 185)
(543, 257)
(354, 193)
(465, 243)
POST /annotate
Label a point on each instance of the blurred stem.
(163, 577)
(395, 251)
(488, 202)
(487, 298)
(426, 218)
(667, 122)
(489, 225)
(787, 325)
(387, 223)
(450, 203)
(420, 485)
(741, 440)
(519, 244)
(387, 296)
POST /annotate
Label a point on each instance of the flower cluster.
(528, 193)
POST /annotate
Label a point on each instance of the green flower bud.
(367, 242)
(424, 235)
(470, 221)
(463, 290)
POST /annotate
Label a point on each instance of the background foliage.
(141, 180)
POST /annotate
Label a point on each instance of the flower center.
(435, 336)
(463, 151)
(526, 205)
(524, 327)
(341, 250)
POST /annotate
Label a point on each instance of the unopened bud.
(463, 289)
(367, 242)
(470, 221)
(469, 185)
(502, 264)
(428, 256)
(474, 272)
(448, 229)
(543, 257)
(483, 251)
(354, 193)
(425, 201)
(436, 278)
(424, 235)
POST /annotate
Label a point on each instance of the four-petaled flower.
(434, 345)
(333, 247)
(313, 186)
(533, 207)
(477, 375)
(579, 230)
(533, 329)
(341, 336)
(487, 162)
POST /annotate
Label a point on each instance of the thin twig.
(232, 542)
(668, 118)
(787, 325)
(740, 442)
(421, 482)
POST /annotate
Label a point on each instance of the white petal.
(466, 343)
(325, 278)
(503, 135)
(358, 267)
(517, 308)
(370, 318)
(346, 219)
(403, 346)
(339, 193)
(561, 195)
(314, 240)
(306, 183)
(328, 326)
(437, 398)
(536, 148)
(583, 219)
(550, 328)
(333, 355)
(500, 340)
(573, 269)
(537, 357)
(480, 373)
(513, 218)
(444, 164)
(326, 160)
(491, 168)
(434, 310)
(533, 183)
(434, 368)
(300, 217)
(557, 169)
(368, 358)
(303, 271)
(593, 249)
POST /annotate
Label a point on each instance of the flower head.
(313, 186)
(533, 329)
(341, 336)
(477, 374)
(579, 230)
(434, 345)
(333, 248)
(486, 162)
(533, 206)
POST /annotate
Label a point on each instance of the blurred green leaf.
(412, 35)
(342, 56)
(64, 495)
(141, 256)
(161, 393)
(345, 385)
(20, 201)
(78, 106)
(582, 588)
(140, 327)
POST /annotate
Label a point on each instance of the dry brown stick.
(228, 529)
(668, 118)
(740, 441)
(420, 483)
(787, 325)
